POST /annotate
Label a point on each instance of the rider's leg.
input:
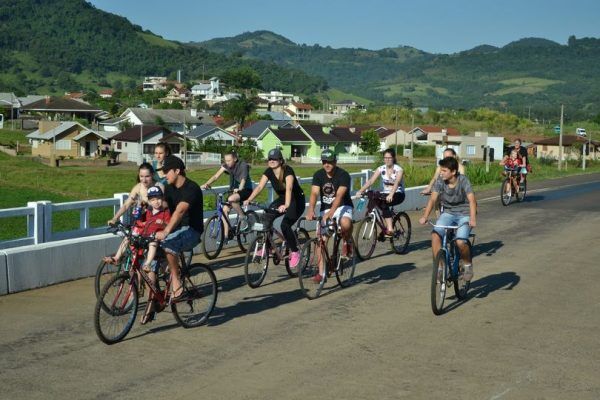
(184, 239)
(224, 219)
(436, 243)
(234, 200)
(388, 212)
(465, 254)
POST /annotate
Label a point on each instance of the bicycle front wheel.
(116, 309)
(438, 282)
(212, 237)
(200, 286)
(311, 282)
(506, 192)
(257, 262)
(402, 231)
(365, 238)
(246, 236)
(345, 265)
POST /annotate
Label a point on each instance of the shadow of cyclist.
(489, 248)
(386, 273)
(484, 286)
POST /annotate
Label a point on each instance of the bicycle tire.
(104, 273)
(505, 197)
(402, 232)
(365, 238)
(522, 192)
(212, 237)
(438, 282)
(111, 309)
(308, 268)
(247, 237)
(200, 282)
(345, 266)
(461, 287)
(303, 237)
(255, 268)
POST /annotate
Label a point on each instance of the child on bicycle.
(239, 183)
(290, 198)
(512, 163)
(392, 182)
(460, 208)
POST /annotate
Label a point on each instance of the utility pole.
(396, 125)
(412, 139)
(560, 148)
(141, 143)
(184, 143)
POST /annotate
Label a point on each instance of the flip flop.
(110, 260)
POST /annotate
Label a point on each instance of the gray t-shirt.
(454, 200)
(240, 171)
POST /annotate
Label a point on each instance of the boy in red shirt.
(156, 218)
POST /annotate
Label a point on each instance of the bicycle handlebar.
(447, 226)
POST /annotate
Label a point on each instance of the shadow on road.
(488, 284)
(533, 198)
(386, 273)
(489, 248)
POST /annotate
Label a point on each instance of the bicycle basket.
(265, 221)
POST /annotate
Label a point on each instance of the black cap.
(275, 154)
(328, 155)
(155, 191)
(172, 162)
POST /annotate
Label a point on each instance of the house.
(131, 141)
(113, 124)
(274, 96)
(179, 95)
(275, 115)
(278, 105)
(67, 139)
(30, 98)
(428, 134)
(257, 128)
(106, 93)
(323, 118)
(298, 111)
(62, 109)
(346, 105)
(10, 105)
(176, 120)
(203, 133)
(391, 137)
(470, 147)
(154, 83)
(549, 147)
(209, 88)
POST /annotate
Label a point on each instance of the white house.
(277, 96)
(130, 142)
(154, 83)
(205, 132)
(206, 88)
(344, 106)
(176, 120)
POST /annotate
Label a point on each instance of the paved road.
(528, 331)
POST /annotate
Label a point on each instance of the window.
(63, 144)
(175, 148)
(118, 145)
(149, 148)
(470, 150)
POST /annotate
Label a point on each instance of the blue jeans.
(183, 239)
(454, 220)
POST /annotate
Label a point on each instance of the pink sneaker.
(259, 253)
(294, 259)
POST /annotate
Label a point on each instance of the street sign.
(557, 129)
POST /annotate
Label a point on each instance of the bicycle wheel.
(522, 191)
(185, 258)
(438, 283)
(116, 309)
(248, 235)
(365, 238)
(461, 287)
(506, 192)
(308, 269)
(345, 265)
(257, 262)
(104, 273)
(200, 284)
(402, 232)
(303, 237)
(212, 237)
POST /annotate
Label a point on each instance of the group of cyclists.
(175, 211)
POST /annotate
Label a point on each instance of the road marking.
(540, 190)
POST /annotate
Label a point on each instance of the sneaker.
(259, 253)
(388, 234)
(317, 278)
(294, 259)
(347, 249)
(244, 224)
(468, 272)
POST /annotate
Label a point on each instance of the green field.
(525, 86)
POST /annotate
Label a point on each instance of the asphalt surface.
(528, 330)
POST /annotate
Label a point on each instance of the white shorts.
(340, 212)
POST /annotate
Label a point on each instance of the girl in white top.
(449, 152)
(392, 181)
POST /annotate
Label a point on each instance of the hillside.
(50, 46)
(530, 72)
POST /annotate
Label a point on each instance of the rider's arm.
(397, 183)
(128, 203)
(258, 188)
(429, 207)
(370, 181)
(215, 176)
(472, 209)
(176, 217)
(430, 185)
(312, 202)
(289, 185)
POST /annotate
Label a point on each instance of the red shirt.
(152, 223)
(510, 163)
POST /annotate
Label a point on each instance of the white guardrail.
(46, 256)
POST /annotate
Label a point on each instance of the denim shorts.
(454, 220)
(183, 239)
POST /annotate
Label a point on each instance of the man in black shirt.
(184, 198)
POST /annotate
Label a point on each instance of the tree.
(314, 102)
(242, 78)
(369, 141)
(238, 109)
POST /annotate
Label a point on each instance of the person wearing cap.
(332, 185)
(239, 183)
(290, 199)
(183, 232)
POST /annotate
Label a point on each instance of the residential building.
(257, 128)
(154, 83)
(470, 147)
(62, 109)
(66, 139)
(344, 106)
(209, 88)
(106, 93)
(299, 111)
(549, 148)
(274, 96)
(203, 133)
(175, 120)
(131, 141)
(428, 134)
(179, 95)
(10, 105)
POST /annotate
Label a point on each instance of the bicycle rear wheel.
(308, 270)
(200, 285)
(303, 237)
(116, 309)
(402, 232)
(506, 192)
(461, 287)
(257, 261)
(438, 282)
(248, 235)
(212, 237)
(345, 265)
(365, 238)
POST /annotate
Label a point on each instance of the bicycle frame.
(323, 240)
(157, 295)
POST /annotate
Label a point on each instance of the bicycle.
(214, 234)
(106, 270)
(117, 306)
(366, 236)
(513, 186)
(446, 269)
(315, 251)
(269, 243)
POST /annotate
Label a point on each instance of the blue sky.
(432, 25)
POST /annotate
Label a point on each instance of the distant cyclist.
(522, 152)
(392, 182)
(239, 182)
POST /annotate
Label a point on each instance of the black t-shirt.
(329, 186)
(279, 186)
(190, 193)
(522, 152)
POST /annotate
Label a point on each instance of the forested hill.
(49, 46)
(530, 72)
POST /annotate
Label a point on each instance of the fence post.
(366, 175)
(122, 197)
(36, 223)
(84, 217)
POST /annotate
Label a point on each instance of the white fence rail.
(203, 158)
(341, 159)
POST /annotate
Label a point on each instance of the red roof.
(433, 128)
(107, 91)
(302, 106)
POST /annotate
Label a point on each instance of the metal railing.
(341, 159)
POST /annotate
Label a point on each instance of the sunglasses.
(273, 159)
(326, 162)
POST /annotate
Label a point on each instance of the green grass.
(525, 86)
(157, 41)
(336, 95)
(10, 138)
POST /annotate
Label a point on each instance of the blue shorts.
(454, 220)
(183, 239)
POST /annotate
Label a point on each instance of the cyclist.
(458, 199)
(392, 182)
(290, 198)
(448, 152)
(161, 150)
(522, 152)
(332, 185)
(239, 182)
(183, 232)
